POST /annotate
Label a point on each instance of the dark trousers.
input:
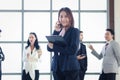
(66, 75)
(0, 75)
(27, 76)
(107, 76)
(81, 74)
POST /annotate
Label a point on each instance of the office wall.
(117, 26)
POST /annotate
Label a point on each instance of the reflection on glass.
(93, 25)
(37, 4)
(93, 4)
(10, 23)
(38, 23)
(12, 62)
(72, 4)
(10, 4)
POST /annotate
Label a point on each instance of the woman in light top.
(31, 58)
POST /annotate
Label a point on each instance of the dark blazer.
(2, 57)
(83, 62)
(64, 57)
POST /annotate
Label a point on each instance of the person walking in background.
(2, 58)
(82, 57)
(111, 57)
(65, 65)
(31, 58)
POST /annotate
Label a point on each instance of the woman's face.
(64, 19)
(32, 39)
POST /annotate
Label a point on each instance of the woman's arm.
(48, 45)
(2, 55)
(25, 59)
(39, 53)
(116, 49)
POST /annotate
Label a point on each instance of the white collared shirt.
(109, 41)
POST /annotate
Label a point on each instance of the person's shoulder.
(83, 45)
(114, 43)
(75, 29)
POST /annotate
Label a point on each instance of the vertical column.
(111, 14)
(22, 37)
(51, 33)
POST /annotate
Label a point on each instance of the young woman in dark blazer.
(65, 65)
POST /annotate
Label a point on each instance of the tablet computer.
(56, 39)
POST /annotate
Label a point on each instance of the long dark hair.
(36, 42)
(69, 14)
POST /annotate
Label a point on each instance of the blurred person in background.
(111, 56)
(82, 57)
(31, 58)
(2, 58)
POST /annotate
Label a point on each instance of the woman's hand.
(50, 45)
(28, 55)
(39, 53)
(57, 26)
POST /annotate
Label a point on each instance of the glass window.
(10, 4)
(44, 60)
(12, 62)
(93, 4)
(10, 23)
(38, 23)
(37, 4)
(44, 77)
(58, 4)
(91, 77)
(92, 60)
(11, 77)
(93, 25)
(15, 27)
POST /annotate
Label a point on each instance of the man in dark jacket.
(82, 57)
(2, 57)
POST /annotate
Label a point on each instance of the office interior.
(20, 17)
